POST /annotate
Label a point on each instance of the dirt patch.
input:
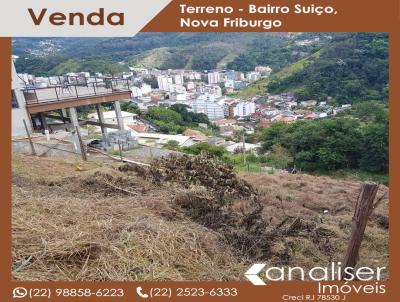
(201, 170)
(113, 185)
(249, 233)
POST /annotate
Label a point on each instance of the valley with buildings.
(212, 142)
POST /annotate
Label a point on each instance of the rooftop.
(111, 114)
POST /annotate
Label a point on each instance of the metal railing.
(74, 87)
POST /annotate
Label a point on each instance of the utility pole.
(244, 147)
(120, 150)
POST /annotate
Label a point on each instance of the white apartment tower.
(164, 82)
(213, 110)
(214, 77)
(244, 109)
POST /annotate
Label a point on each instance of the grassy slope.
(260, 85)
(154, 58)
(78, 230)
(91, 65)
(227, 59)
(157, 57)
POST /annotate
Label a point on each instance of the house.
(310, 116)
(138, 128)
(270, 111)
(235, 147)
(309, 103)
(253, 76)
(217, 141)
(224, 122)
(283, 118)
(288, 119)
(226, 130)
(159, 140)
(111, 118)
(264, 70)
(264, 123)
(301, 113)
(198, 135)
(256, 115)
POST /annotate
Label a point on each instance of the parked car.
(96, 143)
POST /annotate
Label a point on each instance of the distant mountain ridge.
(344, 67)
(199, 51)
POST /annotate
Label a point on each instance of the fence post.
(83, 152)
(363, 210)
(29, 138)
(244, 147)
(120, 150)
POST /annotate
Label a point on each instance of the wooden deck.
(53, 98)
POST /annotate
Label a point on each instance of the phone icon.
(139, 292)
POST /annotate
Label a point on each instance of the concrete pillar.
(120, 121)
(101, 120)
(43, 121)
(73, 116)
(64, 113)
(33, 121)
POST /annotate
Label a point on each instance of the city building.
(178, 79)
(214, 77)
(263, 70)
(164, 82)
(144, 89)
(253, 76)
(230, 75)
(244, 108)
(213, 110)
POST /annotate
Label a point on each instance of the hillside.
(199, 51)
(352, 67)
(43, 56)
(98, 220)
(261, 85)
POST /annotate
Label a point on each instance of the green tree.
(374, 149)
(130, 107)
(218, 151)
(279, 157)
(188, 116)
(164, 114)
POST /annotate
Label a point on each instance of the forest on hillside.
(353, 67)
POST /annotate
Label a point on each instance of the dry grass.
(76, 224)
(75, 233)
(307, 196)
